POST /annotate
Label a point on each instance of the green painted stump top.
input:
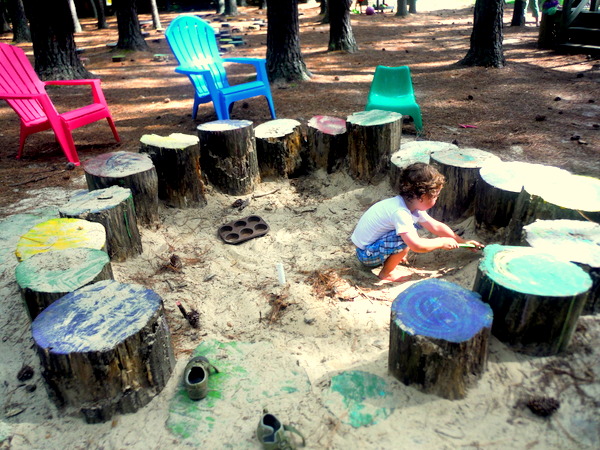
(60, 234)
(510, 176)
(373, 118)
(466, 158)
(531, 271)
(95, 201)
(175, 141)
(61, 270)
(118, 164)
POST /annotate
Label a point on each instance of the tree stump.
(412, 152)
(112, 207)
(461, 169)
(105, 348)
(439, 334)
(280, 148)
(48, 276)
(536, 297)
(228, 155)
(177, 161)
(327, 140)
(130, 170)
(60, 234)
(498, 188)
(565, 196)
(577, 241)
(372, 138)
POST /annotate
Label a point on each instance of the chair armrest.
(7, 96)
(208, 78)
(260, 65)
(93, 82)
(73, 82)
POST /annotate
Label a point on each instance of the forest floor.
(331, 319)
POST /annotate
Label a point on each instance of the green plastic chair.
(392, 90)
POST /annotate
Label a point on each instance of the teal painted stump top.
(328, 124)
(61, 270)
(95, 318)
(441, 310)
(118, 164)
(95, 201)
(466, 158)
(510, 176)
(373, 117)
(531, 271)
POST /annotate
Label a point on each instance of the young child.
(388, 229)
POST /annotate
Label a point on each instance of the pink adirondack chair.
(26, 94)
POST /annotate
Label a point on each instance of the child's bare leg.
(390, 264)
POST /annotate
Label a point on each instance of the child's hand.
(472, 244)
(448, 243)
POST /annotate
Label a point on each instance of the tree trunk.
(130, 34)
(4, 19)
(20, 27)
(412, 8)
(518, 18)
(280, 149)
(340, 29)
(284, 59)
(327, 141)
(402, 10)
(101, 14)
(242, 3)
(155, 16)
(73, 9)
(262, 4)
(486, 38)
(325, 11)
(220, 6)
(231, 8)
(53, 43)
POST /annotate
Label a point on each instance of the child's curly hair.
(420, 179)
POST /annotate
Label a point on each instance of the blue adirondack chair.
(193, 43)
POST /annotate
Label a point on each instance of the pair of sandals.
(272, 434)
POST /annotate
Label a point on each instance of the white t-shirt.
(384, 216)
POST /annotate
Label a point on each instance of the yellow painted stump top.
(60, 234)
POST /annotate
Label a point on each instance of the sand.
(294, 356)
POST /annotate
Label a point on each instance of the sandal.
(195, 377)
(272, 433)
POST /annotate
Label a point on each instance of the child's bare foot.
(397, 279)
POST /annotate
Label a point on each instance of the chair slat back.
(17, 76)
(194, 44)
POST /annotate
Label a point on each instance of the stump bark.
(113, 208)
(498, 188)
(559, 197)
(60, 234)
(412, 152)
(177, 161)
(461, 169)
(536, 297)
(577, 241)
(130, 170)
(228, 155)
(439, 335)
(48, 276)
(327, 140)
(280, 148)
(104, 349)
(372, 138)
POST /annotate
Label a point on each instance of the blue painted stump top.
(95, 201)
(95, 318)
(532, 271)
(441, 310)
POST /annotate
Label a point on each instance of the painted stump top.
(174, 141)
(466, 158)
(83, 202)
(118, 164)
(511, 176)
(61, 270)
(95, 318)
(328, 124)
(276, 128)
(224, 125)
(373, 117)
(573, 240)
(418, 151)
(570, 191)
(441, 310)
(428, 146)
(531, 271)
(60, 234)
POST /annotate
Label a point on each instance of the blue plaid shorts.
(376, 253)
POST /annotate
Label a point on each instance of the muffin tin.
(241, 230)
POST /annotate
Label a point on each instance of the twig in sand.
(264, 195)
